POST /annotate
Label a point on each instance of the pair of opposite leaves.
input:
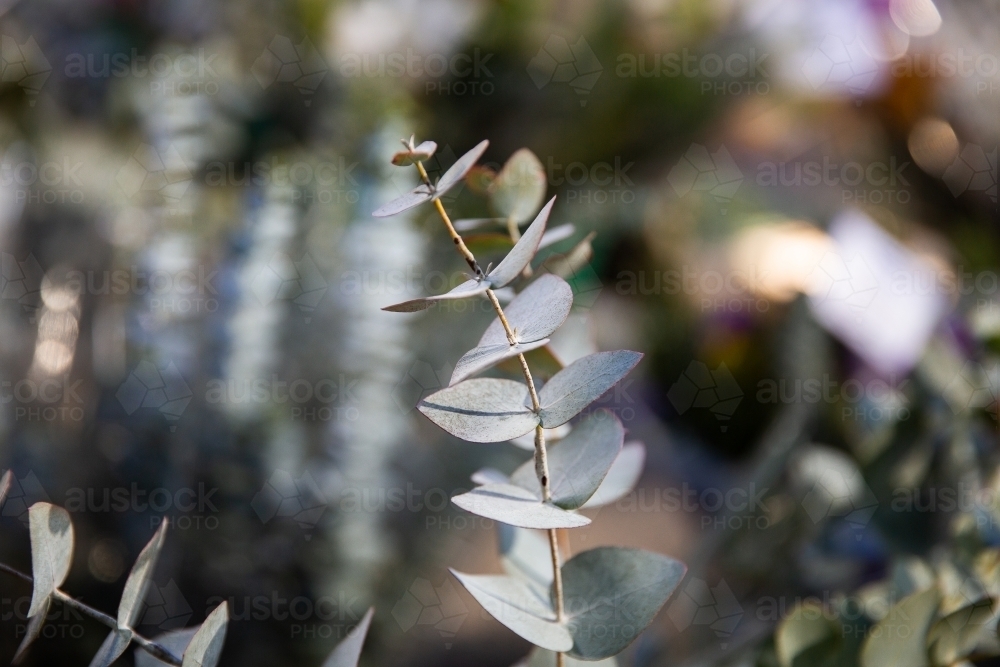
(611, 594)
(51, 532)
(490, 410)
(52, 541)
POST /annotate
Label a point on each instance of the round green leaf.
(583, 382)
(611, 594)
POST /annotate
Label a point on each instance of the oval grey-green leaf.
(611, 594)
(578, 463)
(516, 506)
(519, 608)
(481, 410)
(581, 383)
(523, 251)
(533, 314)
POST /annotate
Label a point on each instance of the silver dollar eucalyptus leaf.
(51, 551)
(583, 382)
(422, 193)
(461, 167)
(467, 289)
(519, 188)
(578, 464)
(348, 652)
(622, 477)
(523, 251)
(519, 607)
(518, 507)
(35, 624)
(481, 410)
(114, 645)
(138, 579)
(534, 313)
(206, 645)
(611, 594)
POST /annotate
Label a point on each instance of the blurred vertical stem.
(541, 455)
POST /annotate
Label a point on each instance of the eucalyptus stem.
(541, 455)
(156, 650)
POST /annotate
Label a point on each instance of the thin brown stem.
(147, 645)
(541, 454)
(470, 259)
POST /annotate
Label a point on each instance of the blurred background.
(795, 208)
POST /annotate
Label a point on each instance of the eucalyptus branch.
(591, 465)
(149, 646)
(541, 454)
